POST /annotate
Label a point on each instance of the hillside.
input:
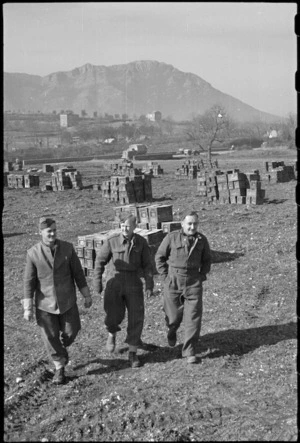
(135, 88)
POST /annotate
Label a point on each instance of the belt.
(183, 271)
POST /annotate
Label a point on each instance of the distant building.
(273, 133)
(108, 141)
(67, 120)
(154, 116)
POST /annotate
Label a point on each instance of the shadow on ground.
(223, 256)
(275, 201)
(13, 234)
(232, 342)
(242, 341)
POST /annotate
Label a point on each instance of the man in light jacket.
(51, 272)
(183, 259)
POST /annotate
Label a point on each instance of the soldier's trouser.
(125, 290)
(183, 301)
(58, 332)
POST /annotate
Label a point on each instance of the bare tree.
(210, 128)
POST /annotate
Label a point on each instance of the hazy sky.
(247, 50)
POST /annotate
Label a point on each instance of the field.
(245, 386)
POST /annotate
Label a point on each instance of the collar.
(196, 235)
(125, 240)
(49, 247)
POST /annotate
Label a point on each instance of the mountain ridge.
(137, 87)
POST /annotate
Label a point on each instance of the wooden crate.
(79, 251)
(170, 226)
(89, 253)
(153, 236)
(161, 213)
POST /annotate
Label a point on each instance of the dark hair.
(188, 213)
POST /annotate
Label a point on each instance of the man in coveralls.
(130, 256)
(51, 271)
(183, 259)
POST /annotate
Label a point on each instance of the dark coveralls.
(124, 287)
(184, 268)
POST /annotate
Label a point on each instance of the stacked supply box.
(223, 190)
(31, 181)
(153, 168)
(230, 187)
(66, 178)
(89, 245)
(237, 185)
(191, 168)
(278, 172)
(149, 217)
(48, 168)
(5, 179)
(207, 187)
(125, 168)
(8, 166)
(15, 181)
(127, 189)
(255, 194)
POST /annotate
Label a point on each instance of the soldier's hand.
(148, 293)
(88, 302)
(28, 315)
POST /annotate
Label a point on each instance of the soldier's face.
(128, 227)
(190, 224)
(49, 235)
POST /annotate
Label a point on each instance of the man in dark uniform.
(131, 259)
(183, 259)
(52, 273)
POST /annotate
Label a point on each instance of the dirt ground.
(245, 386)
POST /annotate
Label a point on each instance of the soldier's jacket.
(174, 254)
(52, 279)
(134, 257)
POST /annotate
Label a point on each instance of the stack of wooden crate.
(21, 180)
(153, 168)
(89, 245)
(127, 189)
(48, 168)
(255, 194)
(66, 178)
(149, 217)
(230, 187)
(278, 172)
(190, 168)
(8, 166)
(207, 187)
(31, 181)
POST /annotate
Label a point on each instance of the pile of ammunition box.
(153, 168)
(126, 189)
(278, 172)
(233, 187)
(124, 168)
(64, 178)
(153, 223)
(190, 168)
(21, 180)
